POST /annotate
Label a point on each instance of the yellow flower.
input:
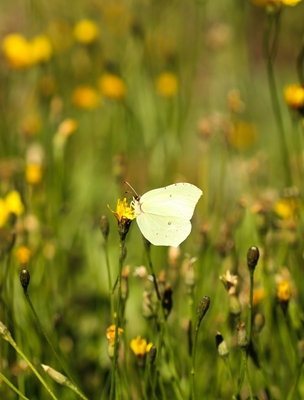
(167, 84)
(258, 295)
(283, 291)
(275, 3)
(294, 96)
(124, 214)
(41, 49)
(112, 86)
(85, 97)
(242, 135)
(13, 203)
(288, 208)
(17, 51)
(86, 31)
(140, 347)
(123, 210)
(23, 254)
(4, 213)
(111, 334)
(33, 173)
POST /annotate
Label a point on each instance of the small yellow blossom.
(86, 31)
(17, 50)
(242, 135)
(67, 127)
(41, 49)
(294, 96)
(140, 348)
(23, 254)
(14, 203)
(283, 291)
(123, 210)
(85, 97)
(33, 173)
(111, 334)
(112, 86)
(288, 208)
(167, 84)
(4, 213)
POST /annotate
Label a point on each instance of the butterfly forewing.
(175, 200)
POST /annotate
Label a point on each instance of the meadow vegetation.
(98, 92)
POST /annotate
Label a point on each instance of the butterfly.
(163, 215)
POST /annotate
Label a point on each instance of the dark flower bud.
(221, 346)
(202, 309)
(25, 279)
(253, 255)
(152, 354)
(167, 300)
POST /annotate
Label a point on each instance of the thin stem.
(9, 338)
(295, 382)
(61, 362)
(228, 366)
(270, 46)
(249, 324)
(245, 361)
(113, 389)
(4, 379)
(111, 292)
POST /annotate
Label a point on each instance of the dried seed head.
(104, 227)
(202, 309)
(152, 355)
(221, 346)
(167, 300)
(242, 336)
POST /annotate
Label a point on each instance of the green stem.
(193, 393)
(270, 46)
(245, 361)
(109, 280)
(249, 324)
(61, 362)
(113, 389)
(7, 336)
(228, 366)
(295, 382)
(175, 378)
(4, 379)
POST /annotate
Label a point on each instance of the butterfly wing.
(163, 231)
(174, 200)
(163, 215)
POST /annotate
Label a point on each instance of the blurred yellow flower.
(23, 254)
(294, 96)
(41, 49)
(235, 103)
(14, 203)
(86, 31)
(111, 334)
(242, 135)
(287, 208)
(17, 50)
(33, 173)
(86, 97)
(31, 124)
(258, 295)
(112, 86)
(283, 291)
(140, 347)
(275, 3)
(4, 213)
(68, 127)
(167, 84)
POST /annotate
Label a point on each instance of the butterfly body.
(163, 215)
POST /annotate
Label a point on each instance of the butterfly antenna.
(133, 190)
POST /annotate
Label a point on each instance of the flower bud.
(202, 309)
(152, 355)
(242, 336)
(167, 300)
(253, 255)
(104, 227)
(25, 279)
(221, 346)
